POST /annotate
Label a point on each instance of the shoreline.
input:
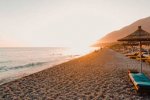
(9, 74)
(98, 75)
(28, 73)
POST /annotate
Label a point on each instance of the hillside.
(115, 35)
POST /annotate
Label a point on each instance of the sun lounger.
(133, 55)
(140, 81)
(148, 61)
(143, 59)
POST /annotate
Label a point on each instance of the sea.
(19, 62)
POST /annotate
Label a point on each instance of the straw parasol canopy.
(132, 43)
(138, 36)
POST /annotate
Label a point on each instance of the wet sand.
(96, 76)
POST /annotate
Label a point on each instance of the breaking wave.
(5, 68)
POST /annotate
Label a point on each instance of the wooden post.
(140, 56)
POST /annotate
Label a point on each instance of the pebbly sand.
(96, 76)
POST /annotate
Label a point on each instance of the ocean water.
(19, 62)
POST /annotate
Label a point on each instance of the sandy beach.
(96, 76)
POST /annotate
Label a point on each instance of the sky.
(69, 23)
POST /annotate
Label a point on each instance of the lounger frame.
(138, 89)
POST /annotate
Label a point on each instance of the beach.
(99, 75)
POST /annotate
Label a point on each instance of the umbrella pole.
(148, 49)
(140, 56)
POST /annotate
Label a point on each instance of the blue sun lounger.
(140, 81)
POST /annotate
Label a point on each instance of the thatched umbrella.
(130, 44)
(138, 36)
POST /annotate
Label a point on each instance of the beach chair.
(148, 60)
(130, 54)
(143, 58)
(133, 56)
(140, 81)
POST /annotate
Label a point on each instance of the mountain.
(115, 35)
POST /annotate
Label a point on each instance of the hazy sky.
(65, 22)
